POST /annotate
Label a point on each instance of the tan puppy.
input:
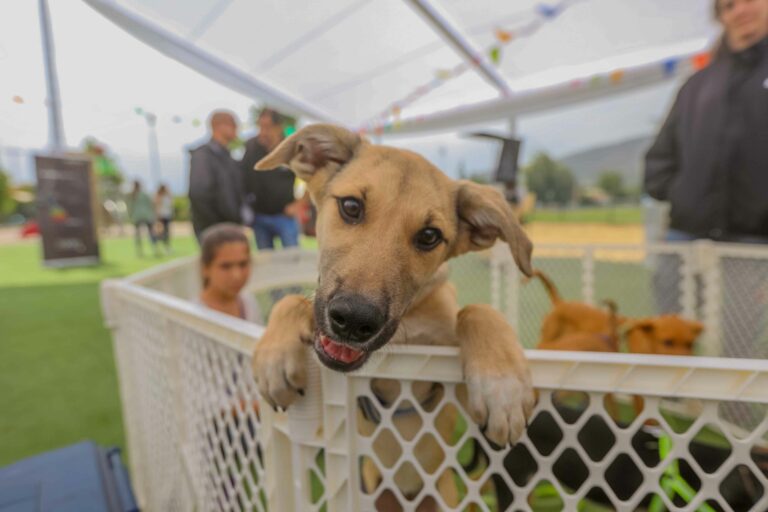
(667, 334)
(580, 326)
(387, 222)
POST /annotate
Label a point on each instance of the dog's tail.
(613, 323)
(554, 295)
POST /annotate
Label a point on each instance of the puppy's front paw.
(279, 361)
(280, 371)
(501, 405)
(501, 396)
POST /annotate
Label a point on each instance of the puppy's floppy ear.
(313, 150)
(485, 216)
(646, 325)
(640, 335)
(697, 328)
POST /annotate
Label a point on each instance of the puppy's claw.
(498, 405)
(279, 367)
(495, 446)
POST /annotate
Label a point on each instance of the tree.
(612, 183)
(551, 181)
(7, 204)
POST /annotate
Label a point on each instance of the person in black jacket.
(710, 159)
(215, 182)
(270, 194)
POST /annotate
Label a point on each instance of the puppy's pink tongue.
(340, 352)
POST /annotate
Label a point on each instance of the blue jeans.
(267, 227)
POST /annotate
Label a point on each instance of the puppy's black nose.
(354, 318)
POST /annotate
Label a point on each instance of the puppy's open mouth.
(338, 356)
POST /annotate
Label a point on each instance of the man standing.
(270, 194)
(215, 183)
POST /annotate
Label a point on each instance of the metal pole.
(56, 140)
(154, 148)
(467, 50)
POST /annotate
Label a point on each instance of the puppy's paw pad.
(501, 406)
(280, 372)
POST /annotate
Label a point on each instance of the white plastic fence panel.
(613, 431)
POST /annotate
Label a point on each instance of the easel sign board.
(65, 210)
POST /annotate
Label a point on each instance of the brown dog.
(589, 341)
(577, 326)
(667, 335)
(387, 222)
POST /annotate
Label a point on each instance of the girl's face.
(230, 269)
(745, 21)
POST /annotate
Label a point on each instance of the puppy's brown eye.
(428, 238)
(351, 210)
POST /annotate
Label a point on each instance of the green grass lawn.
(57, 374)
(602, 215)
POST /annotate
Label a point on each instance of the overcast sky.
(105, 74)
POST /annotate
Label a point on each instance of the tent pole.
(450, 32)
(56, 140)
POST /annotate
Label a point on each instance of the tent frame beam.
(203, 62)
(450, 32)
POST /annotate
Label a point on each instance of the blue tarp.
(77, 478)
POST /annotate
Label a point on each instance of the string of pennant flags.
(541, 15)
(669, 67)
(389, 119)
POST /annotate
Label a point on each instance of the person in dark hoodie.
(215, 181)
(710, 162)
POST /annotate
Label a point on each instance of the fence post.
(341, 470)
(127, 384)
(692, 264)
(709, 260)
(588, 276)
(495, 276)
(513, 296)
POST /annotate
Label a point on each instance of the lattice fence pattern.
(610, 432)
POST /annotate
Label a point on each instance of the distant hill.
(625, 157)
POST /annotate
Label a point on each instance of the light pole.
(56, 140)
(154, 147)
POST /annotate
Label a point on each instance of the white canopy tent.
(407, 66)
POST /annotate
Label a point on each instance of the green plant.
(612, 183)
(7, 203)
(551, 181)
(181, 208)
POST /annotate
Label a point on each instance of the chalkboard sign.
(65, 206)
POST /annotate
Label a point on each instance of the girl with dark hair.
(225, 265)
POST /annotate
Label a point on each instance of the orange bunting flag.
(617, 76)
(504, 36)
(18, 100)
(701, 61)
(396, 110)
